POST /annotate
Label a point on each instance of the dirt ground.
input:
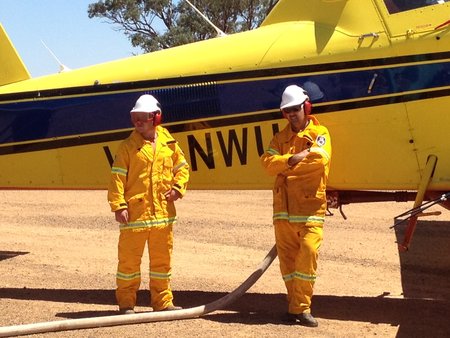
(58, 262)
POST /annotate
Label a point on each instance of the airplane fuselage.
(380, 82)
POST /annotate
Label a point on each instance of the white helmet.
(146, 104)
(293, 95)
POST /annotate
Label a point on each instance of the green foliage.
(158, 24)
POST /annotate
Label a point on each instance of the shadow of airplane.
(425, 267)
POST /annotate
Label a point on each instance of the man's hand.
(122, 216)
(172, 195)
(298, 157)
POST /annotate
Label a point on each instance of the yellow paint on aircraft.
(379, 147)
(12, 68)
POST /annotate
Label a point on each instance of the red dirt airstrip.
(58, 261)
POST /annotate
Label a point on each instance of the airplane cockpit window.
(397, 6)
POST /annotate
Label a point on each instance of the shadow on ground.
(425, 267)
(11, 254)
(415, 317)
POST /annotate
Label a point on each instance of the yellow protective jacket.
(140, 177)
(299, 191)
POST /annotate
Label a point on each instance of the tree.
(157, 24)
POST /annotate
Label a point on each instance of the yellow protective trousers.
(130, 249)
(298, 246)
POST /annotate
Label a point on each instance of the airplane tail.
(12, 69)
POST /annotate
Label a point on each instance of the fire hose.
(146, 317)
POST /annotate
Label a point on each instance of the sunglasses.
(144, 118)
(293, 109)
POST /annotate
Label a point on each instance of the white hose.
(146, 317)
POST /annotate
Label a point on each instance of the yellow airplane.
(377, 71)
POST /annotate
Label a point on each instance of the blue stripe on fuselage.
(59, 117)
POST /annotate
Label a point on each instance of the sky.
(64, 26)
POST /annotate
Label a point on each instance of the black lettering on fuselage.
(109, 156)
(259, 140)
(226, 148)
(208, 158)
(227, 152)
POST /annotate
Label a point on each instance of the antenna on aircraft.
(219, 32)
(62, 67)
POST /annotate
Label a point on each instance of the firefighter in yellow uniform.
(149, 174)
(299, 156)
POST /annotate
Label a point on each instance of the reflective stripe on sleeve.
(119, 171)
(272, 151)
(182, 164)
(321, 151)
